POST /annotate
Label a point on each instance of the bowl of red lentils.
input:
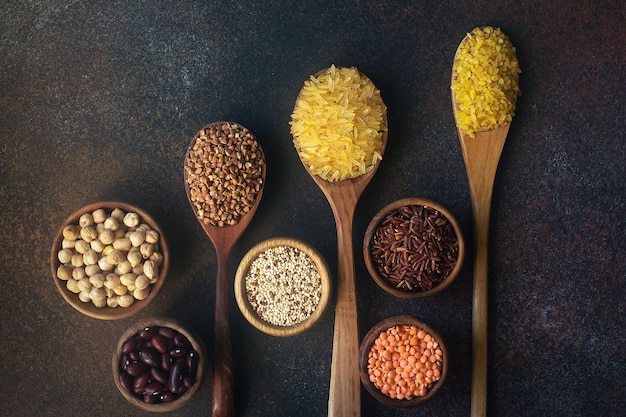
(282, 286)
(402, 361)
(109, 260)
(414, 248)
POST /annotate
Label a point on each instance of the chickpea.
(141, 293)
(112, 223)
(131, 220)
(99, 216)
(65, 255)
(84, 285)
(124, 267)
(123, 244)
(137, 237)
(92, 270)
(72, 285)
(64, 272)
(97, 281)
(79, 273)
(71, 232)
(107, 236)
(111, 281)
(118, 214)
(86, 220)
(81, 246)
(125, 300)
(88, 233)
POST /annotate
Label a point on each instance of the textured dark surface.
(99, 100)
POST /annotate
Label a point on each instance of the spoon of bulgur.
(339, 128)
(484, 86)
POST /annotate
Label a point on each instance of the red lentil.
(404, 362)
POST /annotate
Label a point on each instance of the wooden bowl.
(416, 291)
(368, 343)
(106, 312)
(253, 316)
(196, 344)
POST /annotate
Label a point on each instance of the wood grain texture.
(481, 155)
(345, 390)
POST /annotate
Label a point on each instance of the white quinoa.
(283, 285)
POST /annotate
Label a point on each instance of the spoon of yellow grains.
(339, 128)
(484, 85)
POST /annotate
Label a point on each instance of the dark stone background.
(99, 100)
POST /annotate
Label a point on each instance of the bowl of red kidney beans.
(158, 364)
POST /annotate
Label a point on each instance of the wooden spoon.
(345, 389)
(223, 239)
(481, 154)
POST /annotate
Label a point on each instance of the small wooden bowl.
(248, 310)
(108, 313)
(197, 345)
(368, 343)
(386, 284)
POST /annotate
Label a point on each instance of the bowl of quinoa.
(282, 286)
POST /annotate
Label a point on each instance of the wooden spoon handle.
(479, 319)
(223, 391)
(344, 399)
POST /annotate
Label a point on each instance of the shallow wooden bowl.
(109, 313)
(384, 283)
(196, 343)
(366, 346)
(249, 312)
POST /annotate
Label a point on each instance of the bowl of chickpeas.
(109, 260)
(402, 361)
(282, 286)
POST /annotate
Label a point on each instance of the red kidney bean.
(159, 374)
(167, 396)
(192, 361)
(140, 383)
(151, 399)
(166, 361)
(130, 345)
(176, 377)
(178, 352)
(149, 356)
(126, 381)
(158, 364)
(181, 341)
(147, 332)
(160, 343)
(189, 380)
(136, 368)
(167, 332)
(154, 388)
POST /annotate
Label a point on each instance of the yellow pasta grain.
(338, 123)
(485, 80)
